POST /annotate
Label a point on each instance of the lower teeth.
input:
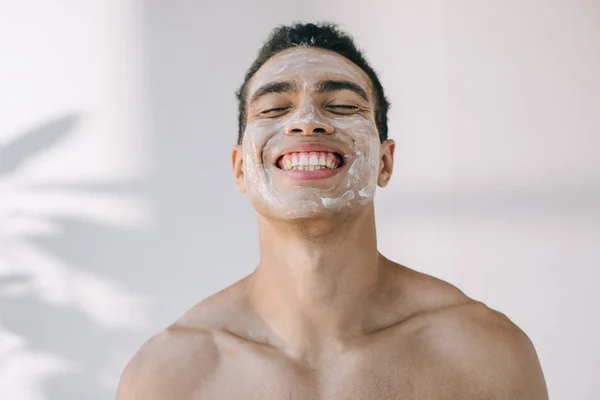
(305, 169)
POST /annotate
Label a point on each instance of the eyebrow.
(335, 85)
(328, 85)
(274, 87)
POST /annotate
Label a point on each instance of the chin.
(298, 213)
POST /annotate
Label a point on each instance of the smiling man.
(324, 315)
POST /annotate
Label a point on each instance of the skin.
(325, 315)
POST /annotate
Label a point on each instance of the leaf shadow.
(27, 145)
(66, 331)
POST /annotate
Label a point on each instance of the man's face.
(310, 147)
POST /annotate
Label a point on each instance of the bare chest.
(371, 373)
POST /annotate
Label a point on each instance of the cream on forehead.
(308, 64)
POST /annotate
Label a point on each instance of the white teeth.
(312, 161)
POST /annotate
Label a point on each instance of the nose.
(309, 126)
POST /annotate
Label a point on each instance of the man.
(325, 315)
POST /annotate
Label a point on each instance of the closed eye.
(271, 111)
(343, 108)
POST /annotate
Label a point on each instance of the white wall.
(73, 151)
(118, 210)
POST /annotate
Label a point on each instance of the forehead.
(308, 66)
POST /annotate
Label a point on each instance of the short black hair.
(324, 36)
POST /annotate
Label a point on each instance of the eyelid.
(274, 109)
(348, 106)
(343, 108)
(343, 101)
(274, 112)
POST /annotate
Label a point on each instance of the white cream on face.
(282, 197)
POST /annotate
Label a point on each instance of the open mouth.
(310, 161)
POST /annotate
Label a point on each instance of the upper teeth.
(309, 161)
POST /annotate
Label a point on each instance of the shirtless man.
(325, 315)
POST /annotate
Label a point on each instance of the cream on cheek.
(294, 200)
(361, 180)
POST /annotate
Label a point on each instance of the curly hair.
(324, 36)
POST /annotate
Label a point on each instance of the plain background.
(118, 210)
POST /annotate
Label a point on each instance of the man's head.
(313, 126)
(323, 36)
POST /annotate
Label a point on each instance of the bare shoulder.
(418, 294)
(486, 352)
(170, 364)
(183, 358)
(468, 342)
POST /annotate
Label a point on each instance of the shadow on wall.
(70, 310)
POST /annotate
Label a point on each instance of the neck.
(316, 280)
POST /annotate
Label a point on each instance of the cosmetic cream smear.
(265, 138)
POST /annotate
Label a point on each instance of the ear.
(237, 164)
(386, 162)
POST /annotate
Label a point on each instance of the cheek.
(362, 136)
(258, 138)
(255, 139)
(261, 136)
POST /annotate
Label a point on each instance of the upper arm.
(172, 364)
(488, 355)
(130, 387)
(142, 379)
(508, 367)
(515, 372)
